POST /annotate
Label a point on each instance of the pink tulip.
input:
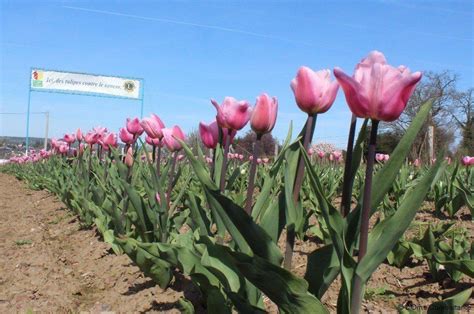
(250, 157)
(79, 135)
(232, 114)
(169, 138)
(380, 157)
(314, 91)
(109, 140)
(69, 138)
(417, 162)
(92, 138)
(209, 160)
(81, 148)
(180, 157)
(241, 157)
(386, 157)
(100, 130)
(310, 152)
(265, 160)
(467, 161)
(134, 127)
(377, 90)
(63, 148)
(259, 161)
(321, 154)
(129, 157)
(209, 134)
(153, 126)
(54, 143)
(126, 137)
(264, 114)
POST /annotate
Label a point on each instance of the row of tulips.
(231, 251)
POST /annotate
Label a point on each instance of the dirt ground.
(49, 264)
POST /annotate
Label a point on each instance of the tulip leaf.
(383, 179)
(249, 236)
(321, 270)
(386, 234)
(450, 305)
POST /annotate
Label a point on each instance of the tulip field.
(233, 224)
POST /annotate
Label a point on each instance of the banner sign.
(70, 82)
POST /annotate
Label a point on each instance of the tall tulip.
(232, 114)
(262, 120)
(264, 114)
(79, 135)
(314, 91)
(170, 136)
(92, 138)
(209, 134)
(153, 126)
(109, 140)
(134, 127)
(377, 90)
(126, 136)
(69, 138)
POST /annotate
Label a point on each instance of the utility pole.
(431, 142)
(46, 114)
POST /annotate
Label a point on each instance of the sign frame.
(140, 98)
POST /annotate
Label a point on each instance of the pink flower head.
(467, 161)
(209, 134)
(180, 157)
(63, 148)
(380, 157)
(79, 135)
(109, 140)
(321, 154)
(209, 160)
(417, 162)
(377, 90)
(265, 160)
(314, 91)
(134, 127)
(153, 126)
(69, 138)
(310, 151)
(126, 137)
(170, 137)
(232, 114)
(264, 114)
(241, 157)
(92, 138)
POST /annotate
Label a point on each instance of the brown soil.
(49, 264)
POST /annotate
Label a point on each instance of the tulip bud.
(134, 127)
(129, 157)
(232, 114)
(209, 134)
(169, 138)
(264, 114)
(126, 136)
(153, 126)
(314, 91)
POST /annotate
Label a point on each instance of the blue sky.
(191, 51)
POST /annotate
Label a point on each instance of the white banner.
(85, 83)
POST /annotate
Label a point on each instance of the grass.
(23, 242)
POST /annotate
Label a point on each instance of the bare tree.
(463, 115)
(441, 87)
